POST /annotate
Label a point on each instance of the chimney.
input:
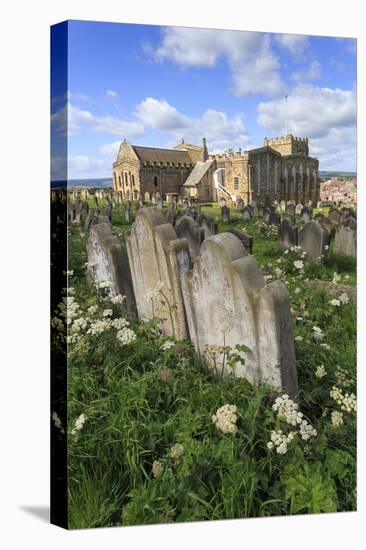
(204, 147)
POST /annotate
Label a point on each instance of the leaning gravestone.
(108, 261)
(157, 259)
(345, 241)
(228, 303)
(313, 238)
(187, 228)
(159, 203)
(128, 214)
(170, 215)
(225, 214)
(245, 238)
(287, 234)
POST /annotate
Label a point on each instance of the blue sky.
(155, 85)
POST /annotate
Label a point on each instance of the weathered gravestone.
(266, 215)
(334, 217)
(287, 234)
(313, 238)
(247, 213)
(274, 219)
(108, 261)
(222, 202)
(239, 203)
(157, 258)
(228, 303)
(128, 214)
(345, 240)
(208, 224)
(187, 228)
(159, 203)
(306, 213)
(225, 214)
(290, 209)
(170, 215)
(245, 238)
(298, 208)
(283, 206)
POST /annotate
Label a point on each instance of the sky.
(157, 85)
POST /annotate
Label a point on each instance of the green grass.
(134, 417)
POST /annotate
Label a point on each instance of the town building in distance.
(280, 170)
(339, 190)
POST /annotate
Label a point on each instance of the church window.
(236, 183)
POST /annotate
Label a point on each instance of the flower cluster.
(176, 452)
(157, 468)
(346, 401)
(337, 418)
(225, 419)
(118, 300)
(299, 264)
(100, 285)
(155, 294)
(343, 378)
(167, 345)
(280, 441)
(318, 334)
(287, 410)
(320, 371)
(125, 336)
(79, 423)
(344, 298)
(98, 326)
(335, 302)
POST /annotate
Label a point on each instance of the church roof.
(197, 173)
(155, 154)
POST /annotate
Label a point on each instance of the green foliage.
(140, 400)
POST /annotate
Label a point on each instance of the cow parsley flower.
(157, 468)
(119, 323)
(280, 441)
(298, 338)
(299, 264)
(167, 345)
(318, 333)
(335, 302)
(225, 419)
(320, 371)
(92, 310)
(118, 300)
(107, 313)
(344, 298)
(126, 336)
(346, 401)
(337, 418)
(176, 452)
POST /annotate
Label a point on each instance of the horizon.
(157, 85)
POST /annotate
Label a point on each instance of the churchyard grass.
(148, 449)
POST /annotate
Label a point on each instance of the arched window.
(156, 181)
(120, 181)
(126, 180)
(133, 180)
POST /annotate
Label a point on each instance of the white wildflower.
(157, 468)
(299, 338)
(320, 371)
(297, 290)
(119, 299)
(79, 423)
(92, 310)
(176, 452)
(344, 298)
(299, 264)
(126, 336)
(335, 302)
(337, 418)
(107, 313)
(225, 419)
(167, 345)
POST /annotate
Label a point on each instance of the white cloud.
(296, 44)
(326, 116)
(253, 64)
(110, 149)
(73, 120)
(159, 114)
(111, 93)
(83, 166)
(220, 130)
(310, 110)
(312, 72)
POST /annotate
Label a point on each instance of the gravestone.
(225, 214)
(208, 224)
(187, 228)
(345, 240)
(245, 238)
(157, 259)
(108, 261)
(283, 206)
(290, 209)
(128, 214)
(274, 219)
(180, 200)
(228, 303)
(312, 239)
(266, 215)
(306, 213)
(298, 208)
(287, 234)
(170, 215)
(247, 213)
(159, 203)
(222, 202)
(334, 217)
(239, 203)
